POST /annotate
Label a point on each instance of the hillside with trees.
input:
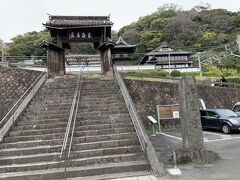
(212, 32)
(198, 29)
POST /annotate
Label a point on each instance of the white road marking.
(217, 134)
(227, 136)
(171, 136)
(205, 139)
(175, 171)
(216, 140)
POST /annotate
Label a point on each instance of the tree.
(169, 10)
(28, 44)
(181, 30)
(131, 36)
(202, 7)
(81, 48)
(149, 40)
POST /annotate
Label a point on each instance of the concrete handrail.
(145, 142)
(9, 119)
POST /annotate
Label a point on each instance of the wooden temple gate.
(76, 29)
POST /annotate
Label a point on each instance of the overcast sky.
(21, 16)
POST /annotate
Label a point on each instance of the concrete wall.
(13, 83)
(147, 94)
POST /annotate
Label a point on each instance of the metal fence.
(176, 80)
(67, 143)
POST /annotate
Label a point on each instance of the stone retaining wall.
(148, 94)
(13, 83)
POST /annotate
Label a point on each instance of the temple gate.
(76, 29)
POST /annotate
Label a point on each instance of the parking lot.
(227, 147)
(208, 136)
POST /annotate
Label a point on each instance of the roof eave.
(74, 27)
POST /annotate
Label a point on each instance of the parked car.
(236, 108)
(221, 119)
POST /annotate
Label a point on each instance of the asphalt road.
(227, 147)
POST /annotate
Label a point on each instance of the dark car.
(222, 119)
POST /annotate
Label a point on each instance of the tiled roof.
(46, 44)
(76, 21)
(121, 43)
(164, 48)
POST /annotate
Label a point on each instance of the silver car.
(236, 108)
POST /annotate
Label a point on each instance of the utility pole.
(2, 53)
(238, 42)
(2, 48)
(169, 69)
(199, 65)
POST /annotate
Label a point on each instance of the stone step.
(107, 108)
(55, 99)
(25, 121)
(46, 125)
(73, 163)
(105, 151)
(52, 123)
(141, 175)
(45, 116)
(94, 93)
(115, 141)
(32, 158)
(58, 135)
(56, 129)
(28, 151)
(100, 102)
(101, 107)
(93, 172)
(100, 116)
(81, 117)
(45, 91)
(100, 98)
(97, 114)
(40, 105)
(51, 108)
(32, 138)
(78, 143)
(60, 86)
(47, 112)
(86, 108)
(116, 104)
(97, 133)
(53, 156)
(103, 121)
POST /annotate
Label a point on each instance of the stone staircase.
(105, 144)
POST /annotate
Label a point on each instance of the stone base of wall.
(13, 83)
(148, 94)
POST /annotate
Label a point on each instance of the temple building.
(122, 53)
(166, 57)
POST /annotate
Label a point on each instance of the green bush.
(175, 73)
(162, 73)
(190, 74)
(212, 71)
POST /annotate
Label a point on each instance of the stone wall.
(148, 94)
(13, 83)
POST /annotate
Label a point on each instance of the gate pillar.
(106, 56)
(55, 58)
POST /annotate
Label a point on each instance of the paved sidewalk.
(227, 147)
(149, 177)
